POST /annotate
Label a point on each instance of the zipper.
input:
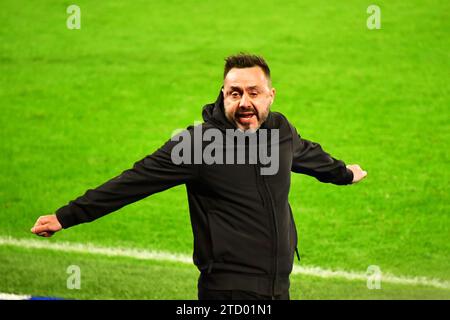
(268, 201)
(296, 235)
(275, 224)
(258, 186)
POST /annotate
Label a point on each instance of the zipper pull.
(210, 266)
(298, 255)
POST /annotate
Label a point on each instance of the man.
(244, 233)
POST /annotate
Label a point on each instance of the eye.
(235, 94)
(253, 94)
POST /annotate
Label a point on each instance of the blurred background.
(79, 106)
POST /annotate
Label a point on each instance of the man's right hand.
(46, 226)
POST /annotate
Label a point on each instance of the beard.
(249, 118)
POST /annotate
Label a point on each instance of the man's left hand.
(358, 173)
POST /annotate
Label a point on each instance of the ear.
(272, 94)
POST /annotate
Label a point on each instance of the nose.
(245, 101)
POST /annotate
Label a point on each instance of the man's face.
(248, 96)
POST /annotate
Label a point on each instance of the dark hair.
(244, 60)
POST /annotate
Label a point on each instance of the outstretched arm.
(309, 158)
(150, 175)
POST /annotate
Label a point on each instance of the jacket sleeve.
(309, 158)
(150, 175)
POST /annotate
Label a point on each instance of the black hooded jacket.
(244, 232)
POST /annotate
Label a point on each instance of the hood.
(215, 114)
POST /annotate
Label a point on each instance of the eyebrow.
(235, 88)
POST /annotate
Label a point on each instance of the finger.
(46, 234)
(44, 220)
(38, 222)
(40, 228)
(362, 175)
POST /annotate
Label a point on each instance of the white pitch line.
(93, 249)
(360, 276)
(143, 254)
(10, 296)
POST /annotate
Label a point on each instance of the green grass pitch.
(80, 106)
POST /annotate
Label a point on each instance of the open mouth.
(245, 117)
